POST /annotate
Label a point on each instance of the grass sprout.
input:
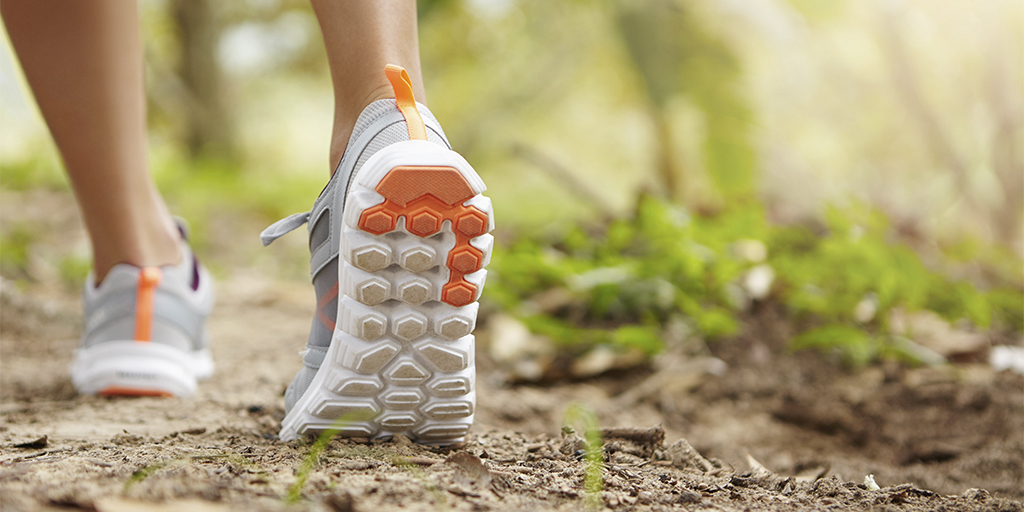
(580, 415)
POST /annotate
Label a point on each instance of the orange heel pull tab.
(402, 85)
(149, 279)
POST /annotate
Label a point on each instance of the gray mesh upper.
(179, 311)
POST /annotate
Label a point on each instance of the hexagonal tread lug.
(373, 291)
(483, 204)
(400, 421)
(372, 327)
(373, 359)
(458, 294)
(466, 260)
(424, 222)
(448, 387)
(419, 258)
(346, 430)
(356, 386)
(409, 326)
(350, 410)
(454, 327)
(403, 399)
(361, 320)
(372, 258)
(446, 358)
(472, 223)
(449, 410)
(442, 432)
(407, 373)
(378, 220)
(415, 291)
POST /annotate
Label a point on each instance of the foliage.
(14, 249)
(859, 259)
(36, 171)
(73, 270)
(627, 280)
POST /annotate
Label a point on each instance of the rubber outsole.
(414, 243)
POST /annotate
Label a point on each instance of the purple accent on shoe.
(195, 273)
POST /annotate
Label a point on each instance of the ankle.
(347, 112)
(149, 248)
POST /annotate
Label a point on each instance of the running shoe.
(399, 238)
(144, 332)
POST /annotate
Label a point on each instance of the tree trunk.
(208, 127)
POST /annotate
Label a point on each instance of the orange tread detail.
(145, 293)
(405, 183)
(427, 196)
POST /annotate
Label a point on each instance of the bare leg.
(362, 36)
(84, 63)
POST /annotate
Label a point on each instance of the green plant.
(14, 249)
(39, 170)
(622, 282)
(629, 279)
(73, 270)
(312, 457)
(825, 277)
(309, 462)
(147, 470)
(576, 416)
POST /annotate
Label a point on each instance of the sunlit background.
(900, 118)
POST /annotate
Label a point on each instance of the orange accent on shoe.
(149, 279)
(427, 196)
(402, 85)
(403, 184)
(323, 302)
(120, 391)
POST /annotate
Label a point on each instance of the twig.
(653, 436)
(562, 175)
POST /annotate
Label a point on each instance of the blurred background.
(659, 168)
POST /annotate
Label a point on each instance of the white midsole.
(144, 366)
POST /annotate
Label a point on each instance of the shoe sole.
(131, 368)
(414, 242)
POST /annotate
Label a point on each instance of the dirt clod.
(684, 457)
(36, 443)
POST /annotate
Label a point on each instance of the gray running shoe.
(399, 238)
(144, 331)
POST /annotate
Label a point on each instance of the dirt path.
(929, 436)
(932, 438)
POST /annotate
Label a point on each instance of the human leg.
(146, 301)
(83, 61)
(362, 37)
